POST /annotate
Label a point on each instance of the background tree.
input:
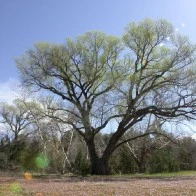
(141, 148)
(16, 126)
(187, 153)
(98, 83)
(16, 119)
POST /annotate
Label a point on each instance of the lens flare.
(41, 161)
(27, 176)
(16, 188)
(39, 194)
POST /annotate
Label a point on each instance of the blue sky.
(24, 22)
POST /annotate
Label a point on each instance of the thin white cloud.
(8, 90)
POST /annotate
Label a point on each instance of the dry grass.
(98, 186)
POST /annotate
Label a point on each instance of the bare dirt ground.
(98, 186)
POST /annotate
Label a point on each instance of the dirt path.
(98, 186)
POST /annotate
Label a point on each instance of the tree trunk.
(142, 164)
(99, 166)
(142, 168)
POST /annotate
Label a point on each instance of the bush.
(122, 162)
(163, 161)
(82, 165)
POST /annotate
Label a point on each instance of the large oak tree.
(101, 78)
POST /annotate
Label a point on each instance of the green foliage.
(187, 154)
(163, 161)
(3, 160)
(167, 159)
(28, 156)
(122, 162)
(82, 165)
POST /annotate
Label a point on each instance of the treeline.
(32, 138)
(66, 152)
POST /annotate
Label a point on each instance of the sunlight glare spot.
(167, 38)
(161, 44)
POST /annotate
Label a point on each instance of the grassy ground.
(166, 175)
(181, 183)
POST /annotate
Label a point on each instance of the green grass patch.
(14, 189)
(148, 175)
(171, 174)
(159, 175)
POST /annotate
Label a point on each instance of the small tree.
(16, 121)
(99, 84)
